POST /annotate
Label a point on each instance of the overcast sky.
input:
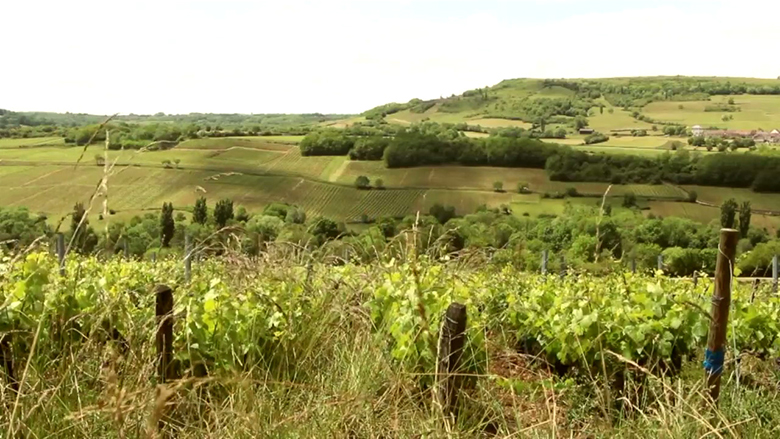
(330, 56)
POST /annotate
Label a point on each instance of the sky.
(340, 56)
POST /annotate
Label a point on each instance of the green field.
(255, 172)
(34, 141)
(757, 112)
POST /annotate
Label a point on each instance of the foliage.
(362, 182)
(167, 224)
(744, 218)
(728, 213)
(223, 212)
(595, 138)
(330, 141)
(200, 213)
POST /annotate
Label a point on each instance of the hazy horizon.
(180, 57)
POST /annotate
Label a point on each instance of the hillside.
(608, 102)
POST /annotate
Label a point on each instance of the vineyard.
(296, 342)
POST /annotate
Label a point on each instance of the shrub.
(362, 182)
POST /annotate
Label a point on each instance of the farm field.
(243, 142)
(705, 214)
(756, 112)
(135, 189)
(35, 141)
(717, 195)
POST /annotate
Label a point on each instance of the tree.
(100, 160)
(167, 225)
(167, 164)
(177, 161)
(629, 200)
(84, 238)
(442, 213)
(728, 212)
(498, 186)
(744, 219)
(200, 213)
(731, 101)
(580, 122)
(523, 187)
(692, 196)
(379, 183)
(242, 215)
(362, 182)
(223, 212)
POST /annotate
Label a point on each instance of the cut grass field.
(756, 112)
(35, 141)
(717, 195)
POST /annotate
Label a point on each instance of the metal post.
(61, 252)
(721, 300)
(774, 273)
(187, 258)
(544, 261)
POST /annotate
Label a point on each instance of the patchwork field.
(255, 172)
(717, 195)
(35, 141)
(757, 111)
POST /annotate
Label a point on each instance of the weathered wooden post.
(125, 248)
(451, 340)
(544, 261)
(721, 300)
(154, 257)
(7, 358)
(774, 274)
(695, 279)
(187, 258)
(660, 262)
(164, 319)
(61, 252)
(563, 265)
(633, 265)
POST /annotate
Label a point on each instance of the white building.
(697, 130)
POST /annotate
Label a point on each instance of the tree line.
(584, 237)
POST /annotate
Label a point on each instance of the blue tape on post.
(713, 361)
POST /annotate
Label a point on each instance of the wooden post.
(721, 300)
(633, 265)
(695, 279)
(125, 248)
(660, 262)
(7, 359)
(563, 265)
(187, 258)
(544, 261)
(61, 252)
(154, 257)
(774, 274)
(164, 338)
(451, 340)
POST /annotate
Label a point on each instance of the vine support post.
(774, 273)
(660, 262)
(451, 340)
(721, 300)
(563, 265)
(7, 358)
(544, 261)
(633, 265)
(61, 252)
(164, 318)
(125, 248)
(187, 258)
(154, 257)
